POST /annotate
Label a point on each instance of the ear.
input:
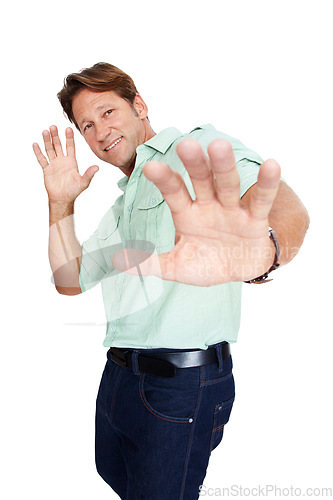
(140, 106)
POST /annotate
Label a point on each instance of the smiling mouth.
(113, 144)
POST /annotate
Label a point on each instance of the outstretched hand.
(62, 179)
(218, 238)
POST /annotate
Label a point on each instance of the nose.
(102, 131)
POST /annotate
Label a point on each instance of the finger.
(48, 145)
(39, 155)
(171, 185)
(88, 175)
(227, 183)
(196, 163)
(70, 144)
(56, 141)
(265, 190)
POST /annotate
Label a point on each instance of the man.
(167, 389)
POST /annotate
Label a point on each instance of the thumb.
(88, 175)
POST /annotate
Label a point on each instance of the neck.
(149, 133)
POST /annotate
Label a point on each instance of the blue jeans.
(154, 435)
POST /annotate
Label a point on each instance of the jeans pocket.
(172, 399)
(221, 417)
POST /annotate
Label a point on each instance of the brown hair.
(99, 78)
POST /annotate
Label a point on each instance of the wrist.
(270, 254)
(58, 210)
(275, 264)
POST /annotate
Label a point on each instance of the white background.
(258, 70)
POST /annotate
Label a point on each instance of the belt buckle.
(119, 357)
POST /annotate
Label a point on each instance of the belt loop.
(218, 348)
(135, 362)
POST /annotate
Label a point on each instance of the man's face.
(112, 127)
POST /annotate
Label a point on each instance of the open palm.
(62, 179)
(218, 239)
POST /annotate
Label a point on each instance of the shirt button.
(129, 208)
(153, 200)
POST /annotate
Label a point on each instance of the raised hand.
(218, 238)
(62, 179)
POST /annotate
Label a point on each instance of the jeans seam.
(215, 380)
(218, 428)
(190, 441)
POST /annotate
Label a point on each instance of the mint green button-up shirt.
(147, 312)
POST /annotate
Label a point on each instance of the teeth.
(113, 144)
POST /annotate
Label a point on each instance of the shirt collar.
(160, 142)
(122, 183)
(163, 140)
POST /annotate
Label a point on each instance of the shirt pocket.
(221, 417)
(158, 225)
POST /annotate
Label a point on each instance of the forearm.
(64, 249)
(289, 219)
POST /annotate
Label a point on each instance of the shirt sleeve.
(93, 266)
(97, 252)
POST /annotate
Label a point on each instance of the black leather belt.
(165, 364)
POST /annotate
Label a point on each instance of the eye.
(88, 126)
(108, 112)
